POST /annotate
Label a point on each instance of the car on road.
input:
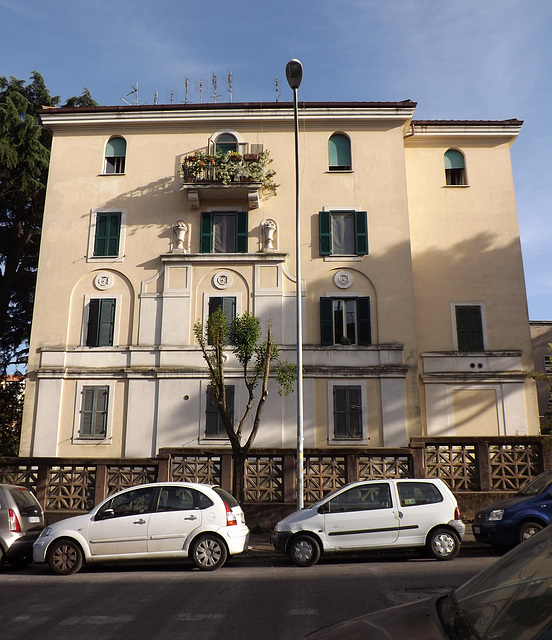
(511, 599)
(374, 514)
(169, 520)
(510, 521)
(21, 521)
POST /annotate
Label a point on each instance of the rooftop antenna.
(186, 89)
(134, 92)
(200, 91)
(172, 96)
(156, 98)
(277, 89)
(228, 83)
(214, 81)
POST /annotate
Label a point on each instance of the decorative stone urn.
(269, 229)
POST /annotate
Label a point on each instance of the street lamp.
(294, 75)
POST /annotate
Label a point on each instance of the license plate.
(34, 519)
(476, 530)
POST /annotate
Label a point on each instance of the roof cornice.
(439, 128)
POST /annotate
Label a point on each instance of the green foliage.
(257, 359)
(24, 160)
(11, 412)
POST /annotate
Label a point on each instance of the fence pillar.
(226, 471)
(163, 468)
(42, 483)
(290, 476)
(418, 459)
(483, 466)
(100, 487)
(351, 467)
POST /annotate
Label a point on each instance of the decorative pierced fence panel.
(204, 469)
(322, 475)
(455, 464)
(513, 465)
(373, 467)
(123, 476)
(264, 479)
(71, 487)
(22, 474)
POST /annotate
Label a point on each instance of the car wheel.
(443, 544)
(65, 557)
(209, 553)
(304, 551)
(528, 529)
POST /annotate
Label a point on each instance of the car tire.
(65, 557)
(209, 553)
(304, 551)
(527, 529)
(442, 544)
(22, 561)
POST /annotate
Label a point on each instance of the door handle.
(400, 514)
(190, 518)
(141, 521)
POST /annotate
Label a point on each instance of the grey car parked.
(21, 521)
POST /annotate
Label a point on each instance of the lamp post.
(294, 75)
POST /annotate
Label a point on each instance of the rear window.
(227, 497)
(416, 493)
(25, 501)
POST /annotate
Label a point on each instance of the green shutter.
(361, 233)
(242, 231)
(339, 152)
(469, 328)
(364, 323)
(206, 232)
(326, 321)
(107, 235)
(101, 321)
(93, 320)
(115, 148)
(454, 159)
(325, 232)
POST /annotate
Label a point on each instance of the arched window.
(226, 143)
(455, 168)
(115, 154)
(339, 152)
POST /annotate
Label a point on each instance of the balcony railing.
(228, 169)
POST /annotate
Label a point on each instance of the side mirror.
(106, 514)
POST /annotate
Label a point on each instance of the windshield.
(538, 485)
(511, 600)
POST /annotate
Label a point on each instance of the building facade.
(414, 304)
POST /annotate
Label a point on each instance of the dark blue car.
(511, 521)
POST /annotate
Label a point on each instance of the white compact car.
(374, 514)
(159, 521)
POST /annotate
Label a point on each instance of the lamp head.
(294, 73)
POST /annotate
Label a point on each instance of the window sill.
(344, 258)
(349, 442)
(101, 175)
(91, 441)
(455, 186)
(340, 171)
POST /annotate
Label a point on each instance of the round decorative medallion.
(222, 280)
(103, 281)
(343, 279)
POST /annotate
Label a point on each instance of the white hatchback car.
(374, 514)
(170, 520)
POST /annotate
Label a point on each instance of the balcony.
(227, 175)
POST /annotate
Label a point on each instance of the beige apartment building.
(414, 304)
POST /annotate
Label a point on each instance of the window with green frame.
(115, 155)
(93, 420)
(339, 152)
(469, 328)
(107, 234)
(224, 232)
(345, 321)
(347, 409)
(101, 322)
(214, 426)
(343, 233)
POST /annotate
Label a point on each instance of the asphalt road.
(255, 596)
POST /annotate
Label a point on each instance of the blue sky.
(462, 59)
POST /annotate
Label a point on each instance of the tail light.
(457, 514)
(230, 516)
(14, 522)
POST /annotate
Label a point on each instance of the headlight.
(496, 515)
(45, 532)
